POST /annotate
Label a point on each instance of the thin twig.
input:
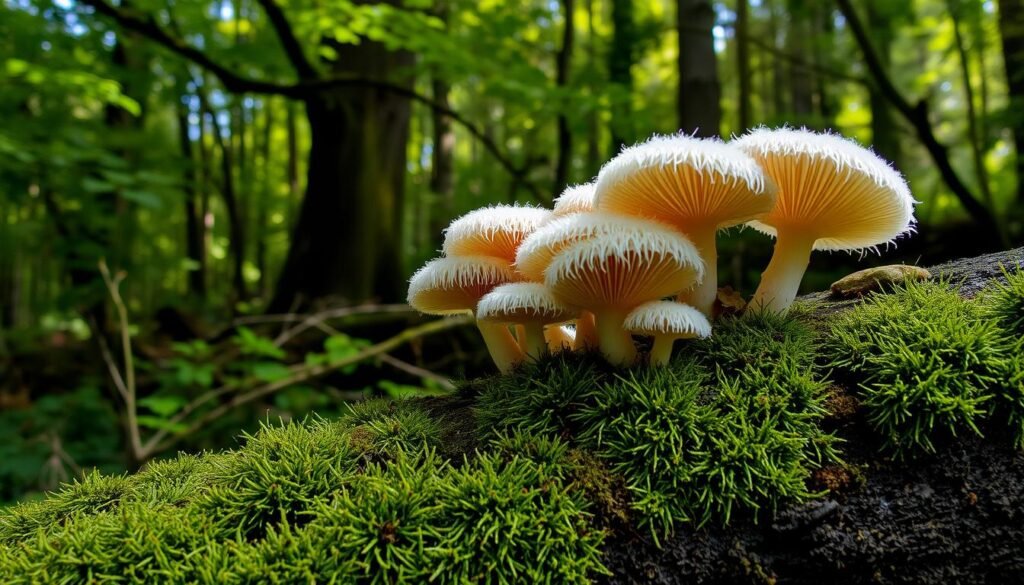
(417, 371)
(163, 440)
(113, 283)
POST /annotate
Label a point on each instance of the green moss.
(1004, 302)
(925, 361)
(380, 428)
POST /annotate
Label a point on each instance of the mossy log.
(744, 461)
(953, 517)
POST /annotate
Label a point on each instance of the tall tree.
(1011, 28)
(697, 104)
(885, 131)
(563, 65)
(190, 184)
(743, 70)
(620, 72)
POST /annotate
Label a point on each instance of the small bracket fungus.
(454, 286)
(575, 199)
(698, 186)
(667, 321)
(492, 231)
(612, 274)
(832, 195)
(529, 304)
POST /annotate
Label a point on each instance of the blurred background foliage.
(262, 176)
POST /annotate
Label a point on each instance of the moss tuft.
(380, 428)
(925, 360)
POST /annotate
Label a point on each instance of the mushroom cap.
(523, 302)
(688, 182)
(831, 188)
(540, 247)
(623, 269)
(445, 286)
(575, 199)
(496, 231)
(667, 317)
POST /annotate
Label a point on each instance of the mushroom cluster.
(611, 252)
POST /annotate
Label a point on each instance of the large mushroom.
(492, 231)
(833, 194)
(529, 304)
(454, 286)
(539, 249)
(667, 321)
(575, 199)
(697, 185)
(612, 274)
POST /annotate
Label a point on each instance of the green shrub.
(924, 359)
(540, 396)
(279, 475)
(509, 523)
(377, 429)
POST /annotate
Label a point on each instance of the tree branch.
(299, 373)
(291, 45)
(146, 26)
(917, 116)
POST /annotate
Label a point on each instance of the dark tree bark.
(1011, 28)
(697, 103)
(442, 155)
(264, 202)
(294, 192)
(563, 64)
(193, 223)
(620, 71)
(594, 135)
(347, 240)
(801, 77)
(885, 131)
(917, 115)
(236, 227)
(743, 64)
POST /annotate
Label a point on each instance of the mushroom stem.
(781, 280)
(586, 331)
(616, 343)
(558, 338)
(661, 351)
(503, 348)
(533, 343)
(702, 296)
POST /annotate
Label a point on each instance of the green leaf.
(270, 371)
(165, 405)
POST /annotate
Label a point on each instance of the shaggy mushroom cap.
(830, 189)
(620, 270)
(446, 286)
(698, 185)
(668, 318)
(611, 274)
(833, 195)
(691, 183)
(492, 231)
(575, 199)
(529, 304)
(523, 302)
(539, 248)
(666, 321)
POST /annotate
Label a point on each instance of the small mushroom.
(667, 321)
(612, 274)
(575, 199)
(833, 194)
(560, 337)
(492, 231)
(697, 185)
(529, 304)
(454, 286)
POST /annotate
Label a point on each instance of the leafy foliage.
(925, 359)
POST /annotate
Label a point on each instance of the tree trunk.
(1011, 28)
(594, 135)
(885, 131)
(293, 164)
(620, 72)
(801, 78)
(347, 241)
(193, 230)
(563, 66)
(698, 105)
(743, 64)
